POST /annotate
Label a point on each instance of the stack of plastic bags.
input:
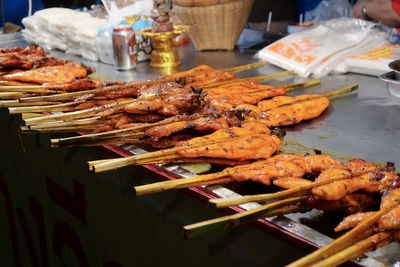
(320, 49)
(65, 29)
(372, 62)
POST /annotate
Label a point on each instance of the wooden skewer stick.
(85, 122)
(301, 85)
(70, 141)
(226, 202)
(31, 115)
(79, 114)
(369, 244)
(11, 95)
(28, 130)
(230, 221)
(7, 103)
(75, 95)
(48, 108)
(28, 89)
(205, 179)
(359, 232)
(42, 86)
(70, 126)
(15, 103)
(132, 138)
(245, 67)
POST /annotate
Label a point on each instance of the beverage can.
(123, 41)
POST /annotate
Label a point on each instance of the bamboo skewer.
(205, 179)
(83, 128)
(147, 158)
(11, 95)
(79, 114)
(227, 222)
(245, 67)
(28, 89)
(31, 115)
(15, 103)
(373, 242)
(75, 95)
(226, 202)
(48, 108)
(75, 140)
(132, 138)
(359, 232)
(301, 85)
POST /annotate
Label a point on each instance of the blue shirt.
(16, 10)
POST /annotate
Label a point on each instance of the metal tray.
(392, 82)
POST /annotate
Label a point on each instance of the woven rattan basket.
(214, 24)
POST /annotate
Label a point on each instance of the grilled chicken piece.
(350, 203)
(54, 74)
(207, 123)
(371, 182)
(280, 166)
(208, 78)
(87, 84)
(251, 141)
(30, 50)
(27, 62)
(388, 221)
(196, 70)
(144, 90)
(279, 112)
(150, 117)
(166, 142)
(98, 103)
(227, 97)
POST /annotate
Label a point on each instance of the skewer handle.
(245, 67)
(206, 179)
(296, 86)
(230, 221)
(371, 243)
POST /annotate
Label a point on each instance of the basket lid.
(198, 3)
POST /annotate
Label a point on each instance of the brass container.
(164, 54)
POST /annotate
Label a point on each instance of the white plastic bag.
(373, 62)
(304, 51)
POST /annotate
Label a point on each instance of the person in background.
(14, 11)
(385, 11)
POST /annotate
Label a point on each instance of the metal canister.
(123, 41)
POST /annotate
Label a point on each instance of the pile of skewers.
(207, 115)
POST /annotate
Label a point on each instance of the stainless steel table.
(364, 124)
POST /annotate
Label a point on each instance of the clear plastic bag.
(329, 9)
